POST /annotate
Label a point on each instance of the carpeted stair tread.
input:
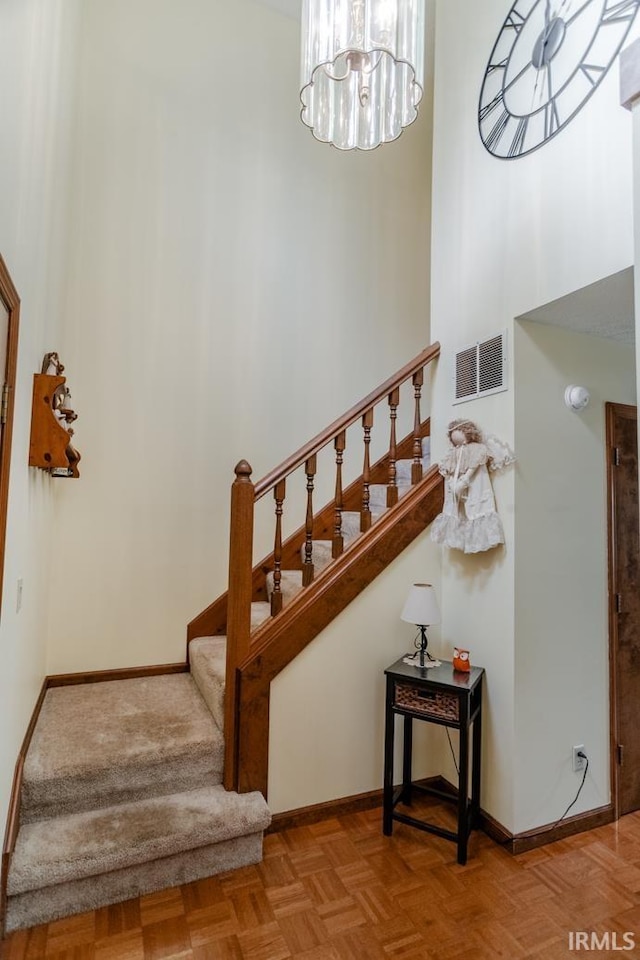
(320, 554)
(97, 744)
(77, 896)
(290, 584)
(208, 662)
(260, 611)
(378, 494)
(351, 522)
(403, 467)
(98, 841)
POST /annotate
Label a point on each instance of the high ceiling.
(603, 309)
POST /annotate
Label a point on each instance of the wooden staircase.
(274, 608)
(117, 788)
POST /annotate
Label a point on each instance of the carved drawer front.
(431, 703)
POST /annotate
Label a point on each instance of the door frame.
(11, 300)
(613, 410)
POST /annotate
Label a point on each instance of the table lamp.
(421, 608)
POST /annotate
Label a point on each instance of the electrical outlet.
(578, 762)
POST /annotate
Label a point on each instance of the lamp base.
(421, 659)
(413, 660)
(422, 654)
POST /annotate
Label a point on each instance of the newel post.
(238, 611)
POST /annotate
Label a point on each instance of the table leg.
(407, 752)
(463, 792)
(475, 776)
(387, 809)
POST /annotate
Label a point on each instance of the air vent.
(481, 369)
(467, 373)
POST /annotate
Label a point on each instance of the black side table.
(446, 697)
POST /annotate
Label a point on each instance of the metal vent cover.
(481, 369)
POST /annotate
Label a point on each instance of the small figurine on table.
(469, 521)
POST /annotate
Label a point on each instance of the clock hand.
(564, 6)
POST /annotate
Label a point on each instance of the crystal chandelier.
(362, 69)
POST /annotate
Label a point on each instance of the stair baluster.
(307, 567)
(279, 492)
(365, 515)
(392, 487)
(416, 466)
(340, 445)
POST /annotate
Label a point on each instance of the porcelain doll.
(469, 521)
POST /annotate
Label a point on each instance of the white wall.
(326, 730)
(508, 236)
(37, 61)
(234, 285)
(561, 573)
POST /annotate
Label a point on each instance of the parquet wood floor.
(340, 890)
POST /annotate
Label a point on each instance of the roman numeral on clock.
(497, 101)
(592, 72)
(551, 119)
(517, 144)
(495, 134)
(498, 66)
(514, 21)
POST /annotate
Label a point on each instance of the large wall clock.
(549, 58)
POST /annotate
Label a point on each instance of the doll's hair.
(472, 432)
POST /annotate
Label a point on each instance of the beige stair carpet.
(123, 796)
(96, 744)
(87, 860)
(208, 662)
(88, 844)
(66, 899)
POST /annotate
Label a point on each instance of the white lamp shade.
(362, 69)
(421, 606)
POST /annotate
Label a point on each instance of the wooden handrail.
(342, 423)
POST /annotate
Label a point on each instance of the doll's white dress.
(468, 521)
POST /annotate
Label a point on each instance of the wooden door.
(9, 323)
(624, 605)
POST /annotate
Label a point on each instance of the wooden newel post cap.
(243, 472)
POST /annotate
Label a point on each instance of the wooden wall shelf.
(50, 446)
